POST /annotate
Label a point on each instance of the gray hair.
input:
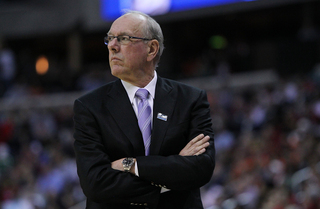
(151, 30)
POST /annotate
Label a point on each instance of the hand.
(117, 165)
(196, 146)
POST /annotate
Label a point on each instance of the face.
(128, 62)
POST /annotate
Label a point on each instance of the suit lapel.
(164, 103)
(121, 110)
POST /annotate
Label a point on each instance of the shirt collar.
(131, 89)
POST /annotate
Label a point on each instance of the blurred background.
(258, 60)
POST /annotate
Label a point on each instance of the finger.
(197, 138)
(196, 144)
(194, 140)
(200, 142)
(202, 146)
(200, 151)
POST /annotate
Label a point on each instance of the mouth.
(115, 59)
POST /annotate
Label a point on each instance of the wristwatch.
(127, 163)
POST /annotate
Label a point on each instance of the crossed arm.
(102, 179)
(196, 146)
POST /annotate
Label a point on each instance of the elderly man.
(142, 141)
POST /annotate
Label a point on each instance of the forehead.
(130, 24)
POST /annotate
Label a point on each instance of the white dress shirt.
(131, 91)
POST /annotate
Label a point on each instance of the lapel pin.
(162, 116)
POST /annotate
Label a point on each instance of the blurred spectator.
(7, 68)
(37, 162)
(268, 164)
(92, 80)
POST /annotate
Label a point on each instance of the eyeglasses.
(123, 39)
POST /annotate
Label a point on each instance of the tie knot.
(142, 93)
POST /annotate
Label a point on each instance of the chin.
(117, 72)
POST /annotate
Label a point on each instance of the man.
(126, 160)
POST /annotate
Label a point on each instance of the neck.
(141, 80)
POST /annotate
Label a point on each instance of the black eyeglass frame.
(106, 41)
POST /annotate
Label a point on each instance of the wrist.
(133, 167)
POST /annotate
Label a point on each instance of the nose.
(114, 45)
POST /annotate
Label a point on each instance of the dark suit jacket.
(106, 129)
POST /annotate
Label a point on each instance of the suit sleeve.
(98, 180)
(184, 172)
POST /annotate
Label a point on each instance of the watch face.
(127, 161)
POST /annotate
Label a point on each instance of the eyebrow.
(120, 34)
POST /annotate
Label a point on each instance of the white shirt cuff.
(136, 168)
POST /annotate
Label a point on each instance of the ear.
(153, 48)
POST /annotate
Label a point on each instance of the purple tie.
(144, 117)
